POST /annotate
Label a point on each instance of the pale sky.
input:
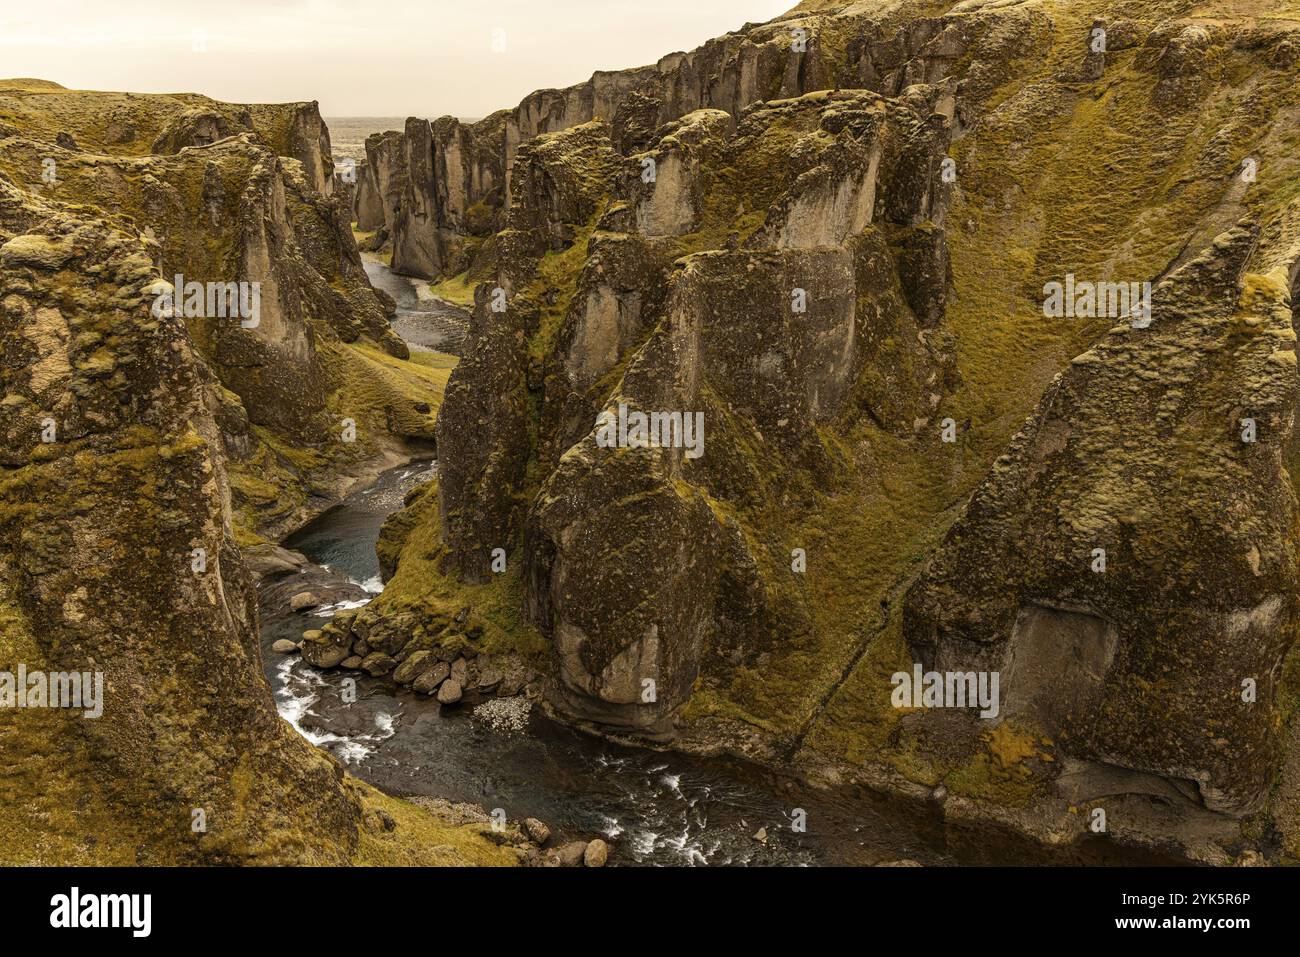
(357, 57)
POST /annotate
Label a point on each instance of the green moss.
(479, 218)
(419, 838)
(413, 541)
(554, 287)
(1105, 186)
(455, 289)
(48, 814)
(1003, 770)
(434, 360)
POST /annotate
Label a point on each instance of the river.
(655, 807)
(423, 323)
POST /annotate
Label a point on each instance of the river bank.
(660, 807)
(425, 322)
(709, 799)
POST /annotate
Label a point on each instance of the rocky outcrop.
(381, 184)
(831, 236)
(460, 175)
(1130, 561)
(137, 124)
(108, 440)
(242, 195)
(455, 183)
(123, 440)
(294, 129)
(199, 127)
(633, 560)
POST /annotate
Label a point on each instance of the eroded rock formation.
(133, 434)
(799, 322)
(913, 176)
(1129, 563)
(821, 244)
(131, 485)
(381, 184)
(243, 194)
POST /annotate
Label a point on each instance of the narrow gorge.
(690, 466)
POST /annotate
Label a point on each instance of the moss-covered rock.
(238, 194)
(118, 524)
(996, 152)
(1129, 563)
(800, 324)
(98, 536)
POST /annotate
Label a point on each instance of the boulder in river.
(539, 831)
(272, 561)
(450, 692)
(428, 681)
(320, 652)
(572, 854)
(596, 854)
(377, 663)
(284, 647)
(302, 601)
(413, 667)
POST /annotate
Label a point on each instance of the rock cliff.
(833, 236)
(235, 194)
(765, 409)
(125, 422)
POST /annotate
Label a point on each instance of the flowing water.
(424, 323)
(656, 807)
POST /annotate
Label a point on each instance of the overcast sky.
(357, 57)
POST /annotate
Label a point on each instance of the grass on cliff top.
(126, 124)
(1096, 179)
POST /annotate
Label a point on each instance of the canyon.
(829, 237)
